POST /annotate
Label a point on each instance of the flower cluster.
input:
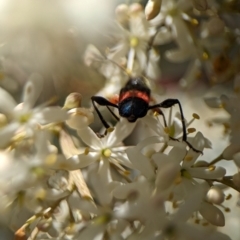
(143, 179)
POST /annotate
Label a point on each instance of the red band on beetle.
(136, 94)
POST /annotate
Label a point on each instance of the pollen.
(86, 151)
(205, 56)
(110, 129)
(126, 173)
(102, 219)
(191, 130)
(211, 168)
(50, 159)
(106, 152)
(25, 117)
(188, 158)
(196, 116)
(178, 180)
(194, 22)
(134, 41)
(227, 209)
(229, 196)
(40, 194)
(186, 174)
(167, 130)
(3, 120)
(38, 171)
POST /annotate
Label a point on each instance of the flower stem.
(228, 183)
(216, 160)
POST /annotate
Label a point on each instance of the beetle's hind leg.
(169, 103)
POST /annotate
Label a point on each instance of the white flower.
(102, 150)
(25, 118)
(135, 41)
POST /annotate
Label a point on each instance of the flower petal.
(155, 125)
(192, 203)
(122, 158)
(207, 173)
(100, 182)
(7, 102)
(80, 118)
(141, 162)
(166, 175)
(90, 138)
(7, 133)
(51, 114)
(32, 90)
(75, 162)
(122, 129)
(164, 35)
(212, 214)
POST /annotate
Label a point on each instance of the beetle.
(133, 103)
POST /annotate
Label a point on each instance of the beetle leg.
(103, 102)
(169, 103)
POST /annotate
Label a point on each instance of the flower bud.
(215, 195)
(79, 118)
(152, 9)
(212, 214)
(73, 100)
(231, 151)
(135, 8)
(121, 13)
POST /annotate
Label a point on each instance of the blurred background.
(50, 37)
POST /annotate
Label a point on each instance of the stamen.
(86, 151)
(229, 196)
(196, 116)
(205, 56)
(194, 21)
(110, 129)
(188, 158)
(211, 168)
(191, 130)
(226, 209)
